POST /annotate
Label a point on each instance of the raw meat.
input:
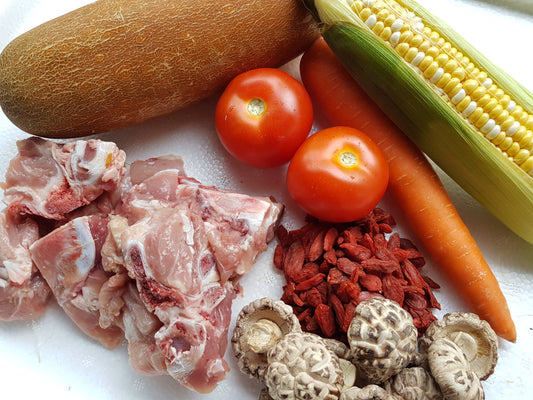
(187, 245)
(23, 292)
(51, 180)
(69, 260)
(148, 254)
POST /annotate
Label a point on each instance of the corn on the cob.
(469, 117)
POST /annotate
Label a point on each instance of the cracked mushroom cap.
(301, 366)
(382, 337)
(345, 355)
(413, 384)
(369, 392)
(473, 335)
(451, 370)
(259, 326)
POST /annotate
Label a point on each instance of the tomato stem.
(256, 107)
(348, 159)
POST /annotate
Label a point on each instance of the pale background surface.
(50, 358)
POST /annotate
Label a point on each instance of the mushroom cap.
(473, 335)
(300, 366)
(259, 325)
(451, 370)
(414, 384)
(369, 392)
(382, 337)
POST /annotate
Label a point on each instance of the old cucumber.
(115, 63)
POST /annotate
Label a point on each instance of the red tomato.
(338, 174)
(263, 116)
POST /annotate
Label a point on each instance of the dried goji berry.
(309, 270)
(283, 236)
(349, 312)
(330, 238)
(317, 246)
(336, 276)
(312, 297)
(338, 309)
(308, 312)
(392, 289)
(371, 282)
(356, 252)
(278, 257)
(352, 234)
(376, 266)
(368, 242)
(294, 259)
(325, 319)
(347, 266)
(411, 274)
(330, 257)
(309, 283)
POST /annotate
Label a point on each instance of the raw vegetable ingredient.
(338, 174)
(469, 117)
(414, 186)
(263, 116)
(144, 253)
(331, 268)
(114, 63)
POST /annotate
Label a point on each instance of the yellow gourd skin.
(115, 63)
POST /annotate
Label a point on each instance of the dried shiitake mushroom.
(451, 370)
(259, 326)
(382, 337)
(345, 355)
(413, 384)
(301, 366)
(368, 392)
(474, 336)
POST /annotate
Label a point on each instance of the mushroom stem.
(263, 334)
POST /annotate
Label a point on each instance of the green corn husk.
(440, 131)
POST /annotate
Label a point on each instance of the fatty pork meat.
(23, 292)
(69, 259)
(50, 180)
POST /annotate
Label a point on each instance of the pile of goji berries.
(330, 268)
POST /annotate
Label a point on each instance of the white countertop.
(50, 358)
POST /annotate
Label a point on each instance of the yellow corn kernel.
(503, 117)
(513, 149)
(378, 27)
(402, 49)
(463, 104)
(470, 85)
(411, 54)
(452, 84)
(406, 36)
(527, 140)
(528, 165)
(425, 63)
(431, 70)
(441, 59)
(498, 140)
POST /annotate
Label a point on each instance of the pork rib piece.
(51, 180)
(23, 292)
(187, 246)
(69, 259)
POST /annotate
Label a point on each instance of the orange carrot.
(413, 185)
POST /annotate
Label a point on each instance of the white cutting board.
(50, 358)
